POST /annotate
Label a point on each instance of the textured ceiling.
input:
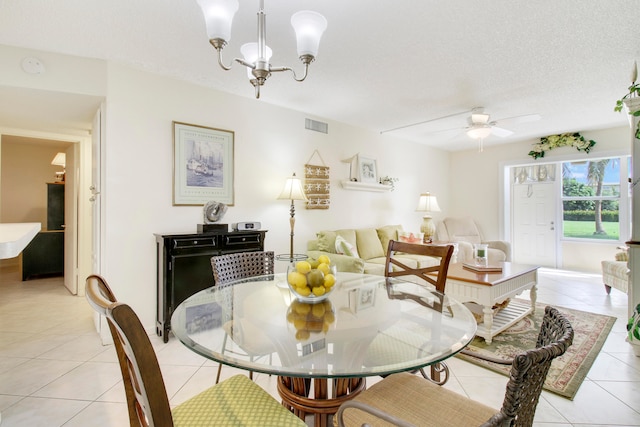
(381, 65)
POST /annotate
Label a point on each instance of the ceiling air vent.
(316, 126)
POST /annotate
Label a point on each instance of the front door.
(533, 218)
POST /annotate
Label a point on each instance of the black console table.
(184, 266)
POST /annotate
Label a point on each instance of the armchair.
(465, 232)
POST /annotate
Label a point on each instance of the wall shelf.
(364, 186)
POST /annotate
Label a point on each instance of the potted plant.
(387, 180)
(633, 330)
(634, 91)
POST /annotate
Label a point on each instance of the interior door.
(71, 220)
(534, 228)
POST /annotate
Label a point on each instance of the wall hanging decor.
(316, 183)
(563, 140)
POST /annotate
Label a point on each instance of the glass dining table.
(368, 325)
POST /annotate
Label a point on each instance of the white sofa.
(465, 232)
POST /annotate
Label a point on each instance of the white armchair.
(465, 232)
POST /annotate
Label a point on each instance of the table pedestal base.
(295, 394)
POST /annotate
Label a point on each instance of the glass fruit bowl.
(308, 319)
(312, 281)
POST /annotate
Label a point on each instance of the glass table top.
(369, 325)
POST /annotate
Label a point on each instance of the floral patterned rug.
(568, 371)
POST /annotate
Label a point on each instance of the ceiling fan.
(479, 124)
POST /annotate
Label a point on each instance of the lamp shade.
(218, 16)
(292, 190)
(428, 203)
(250, 53)
(309, 27)
(60, 160)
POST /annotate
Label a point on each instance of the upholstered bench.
(615, 274)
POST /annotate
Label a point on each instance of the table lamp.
(60, 160)
(427, 203)
(292, 191)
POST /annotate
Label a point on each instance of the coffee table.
(489, 289)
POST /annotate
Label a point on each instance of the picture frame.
(203, 164)
(367, 169)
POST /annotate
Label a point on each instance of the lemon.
(319, 291)
(291, 317)
(296, 279)
(318, 311)
(329, 280)
(324, 267)
(302, 335)
(303, 267)
(314, 263)
(329, 317)
(315, 278)
(305, 291)
(300, 324)
(302, 308)
(323, 259)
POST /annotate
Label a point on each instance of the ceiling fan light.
(479, 132)
(218, 16)
(309, 27)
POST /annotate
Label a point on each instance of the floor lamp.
(292, 191)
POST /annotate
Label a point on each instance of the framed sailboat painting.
(202, 165)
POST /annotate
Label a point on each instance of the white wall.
(270, 144)
(477, 178)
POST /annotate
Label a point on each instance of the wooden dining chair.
(407, 400)
(236, 401)
(236, 266)
(398, 254)
(396, 264)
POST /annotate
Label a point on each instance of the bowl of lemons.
(308, 319)
(312, 281)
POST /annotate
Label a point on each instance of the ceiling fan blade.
(425, 121)
(500, 131)
(519, 119)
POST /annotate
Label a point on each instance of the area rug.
(568, 371)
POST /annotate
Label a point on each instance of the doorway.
(27, 177)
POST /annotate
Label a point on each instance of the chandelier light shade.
(309, 27)
(427, 203)
(292, 191)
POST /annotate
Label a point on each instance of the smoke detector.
(32, 65)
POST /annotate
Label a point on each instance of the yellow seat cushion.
(237, 401)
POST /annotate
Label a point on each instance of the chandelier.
(308, 25)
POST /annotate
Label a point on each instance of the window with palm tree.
(591, 199)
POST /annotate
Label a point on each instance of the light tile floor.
(55, 372)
